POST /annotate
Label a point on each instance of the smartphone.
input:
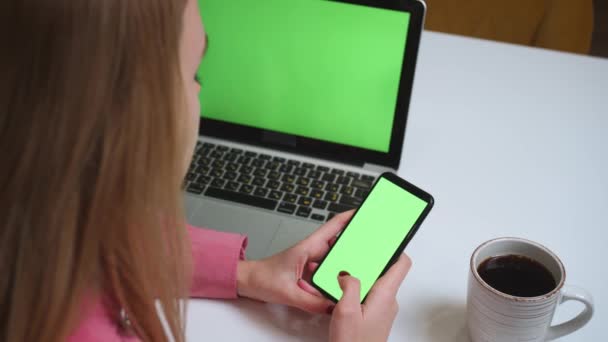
(375, 237)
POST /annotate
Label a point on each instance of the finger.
(350, 303)
(332, 241)
(305, 285)
(333, 226)
(312, 266)
(321, 240)
(389, 283)
(309, 302)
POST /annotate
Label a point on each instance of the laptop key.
(285, 168)
(314, 174)
(359, 183)
(260, 172)
(216, 173)
(216, 154)
(203, 180)
(331, 196)
(202, 169)
(337, 172)
(347, 190)
(246, 189)
(274, 194)
(303, 212)
(260, 192)
(293, 162)
(286, 208)
(317, 184)
(317, 217)
(299, 171)
(274, 175)
(236, 151)
(250, 154)
(352, 174)
(318, 194)
(244, 160)
(319, 204)
(361, 193)
(305, 201)
(230, 157)
(218, 183)
(332, 187)
(245, 179)
(368, 178)
(351, 201)
(232, 186)
(343, 180)
(322, 168)
(245, 169)
(272, 165)
(265, 157)
(339, 208)
(218, 164)
(257, 181)
(230, 175)
(222, 148)
(191, 176)
(287, 187)
(258, 163)
(288, 178)
(303, 181)
(241, 198)
(205, 161)
(273, 184)
(328, 177)
(302, 190)
(308, 165)
(290, 198)
(195, 188)
(278, 159)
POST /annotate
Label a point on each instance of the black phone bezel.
(405, 185)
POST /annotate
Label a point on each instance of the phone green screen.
(370, 240)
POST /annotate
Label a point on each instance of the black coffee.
(517, 275)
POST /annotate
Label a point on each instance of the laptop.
(303, 104)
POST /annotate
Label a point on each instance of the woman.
(99, 114)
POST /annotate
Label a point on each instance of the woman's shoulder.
(99, 321)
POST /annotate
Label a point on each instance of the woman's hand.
(372, 321)
(284, 278)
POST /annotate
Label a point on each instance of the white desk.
(511, 141)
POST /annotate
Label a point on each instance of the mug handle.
(577, 322)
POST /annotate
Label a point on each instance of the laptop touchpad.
(259, 226)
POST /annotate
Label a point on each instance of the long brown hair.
(91, 155)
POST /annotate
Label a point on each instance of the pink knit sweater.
(215, 256)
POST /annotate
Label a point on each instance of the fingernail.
(330, 309)
(343, 273)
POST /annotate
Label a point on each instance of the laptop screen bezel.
(330, 150)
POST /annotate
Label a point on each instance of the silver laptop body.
(228, 186)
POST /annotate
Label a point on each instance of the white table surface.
(511, 141)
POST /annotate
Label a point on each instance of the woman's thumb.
(351, 290)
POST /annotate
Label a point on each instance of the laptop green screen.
(318, 69)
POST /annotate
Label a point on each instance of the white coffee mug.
(494, 316)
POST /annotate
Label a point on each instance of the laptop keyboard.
(291, 187)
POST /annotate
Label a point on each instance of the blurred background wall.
(579, 26)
